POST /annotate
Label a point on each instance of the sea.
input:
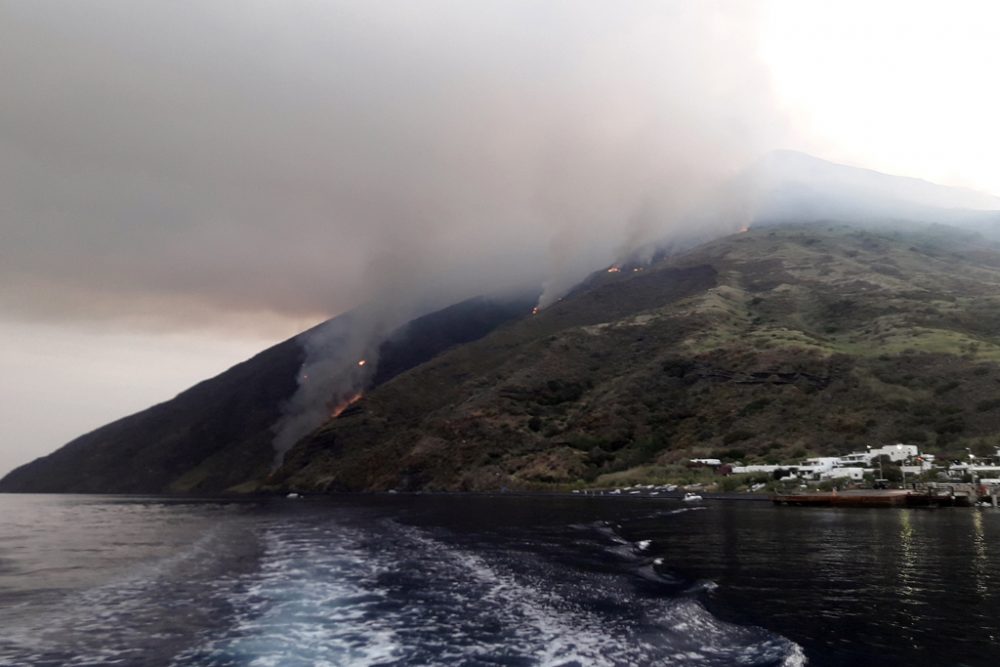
(492, 580)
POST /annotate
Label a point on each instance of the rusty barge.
(876, 498)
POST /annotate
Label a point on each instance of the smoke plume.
(176, 164)
(341, 357)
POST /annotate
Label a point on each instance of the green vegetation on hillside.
(764, 347)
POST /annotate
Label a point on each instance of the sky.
(185, 183)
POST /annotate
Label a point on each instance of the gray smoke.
(176, 164)
(341, 357)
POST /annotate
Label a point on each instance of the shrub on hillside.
(736, 436)
(987, 405)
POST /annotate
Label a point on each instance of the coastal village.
(856, 466)
(889, 475)
(898, 474)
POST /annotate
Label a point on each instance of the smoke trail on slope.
(341, 358)
(526, 161)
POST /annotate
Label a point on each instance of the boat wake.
(390, 594)
(362, 589)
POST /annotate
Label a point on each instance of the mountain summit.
(790, 187)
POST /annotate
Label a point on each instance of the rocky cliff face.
(766, 346)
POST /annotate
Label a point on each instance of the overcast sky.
(184, 183)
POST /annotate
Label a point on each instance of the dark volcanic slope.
(765, 347)
(220, 427)
(218, 433)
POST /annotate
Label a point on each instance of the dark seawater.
(479, 580)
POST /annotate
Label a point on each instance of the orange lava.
(343, 405)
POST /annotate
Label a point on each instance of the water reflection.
(979, 562)
(907, 557)
(909, 578)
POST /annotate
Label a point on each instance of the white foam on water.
(327, 593)
(311, 603)
(396, 595)
(702, 639)
(682, 510)
(702, 586)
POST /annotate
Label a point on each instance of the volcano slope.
(218, 434)
(765, 346)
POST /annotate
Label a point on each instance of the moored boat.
(930, 497)
(859, 498)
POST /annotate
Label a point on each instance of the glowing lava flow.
(362, 362)
(614, 269)
(343, 405)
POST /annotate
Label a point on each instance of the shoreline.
(758, 497)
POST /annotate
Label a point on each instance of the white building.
(821, 463)
(768, 468)
(857, 459)
(976, 470)
(817, 467)
(896, 453)
(707, 462)
(852, 473)
(851, 466)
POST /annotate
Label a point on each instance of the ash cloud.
(190, 161)
(176, 163)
